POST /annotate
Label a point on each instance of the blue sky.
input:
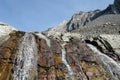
(39, 15)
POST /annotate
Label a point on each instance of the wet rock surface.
(81, 62)
(108, 44)
(7, 55)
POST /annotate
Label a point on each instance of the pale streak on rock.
(26, 59)
(110, 65)
(70, 72)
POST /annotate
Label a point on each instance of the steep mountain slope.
(60, 28)
(91, 21)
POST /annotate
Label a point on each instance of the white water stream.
(112, 66)
(26, 60)
(70, 72)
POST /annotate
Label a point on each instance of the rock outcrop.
(108, 44)
(80, 19)
(5, 29)
(60, 28)
(117, 5)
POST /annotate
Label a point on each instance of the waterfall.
(26, 59)
(112, 66)
(70, 72)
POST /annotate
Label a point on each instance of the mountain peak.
(117, 5)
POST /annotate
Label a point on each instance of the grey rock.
(83, 19)
(60, 28)
(80, 19)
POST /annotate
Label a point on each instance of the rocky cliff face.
(80, 19)
(117, 5)
(83, 54)
(33, 56)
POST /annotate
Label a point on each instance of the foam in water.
(26, 59)
(110, 65)
(70, 72)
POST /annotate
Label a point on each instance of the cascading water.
(70, 72)
(26, 59)
(110, 65)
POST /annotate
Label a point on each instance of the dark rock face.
(111, 9)
(117, 5)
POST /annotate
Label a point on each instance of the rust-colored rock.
(7, 50)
